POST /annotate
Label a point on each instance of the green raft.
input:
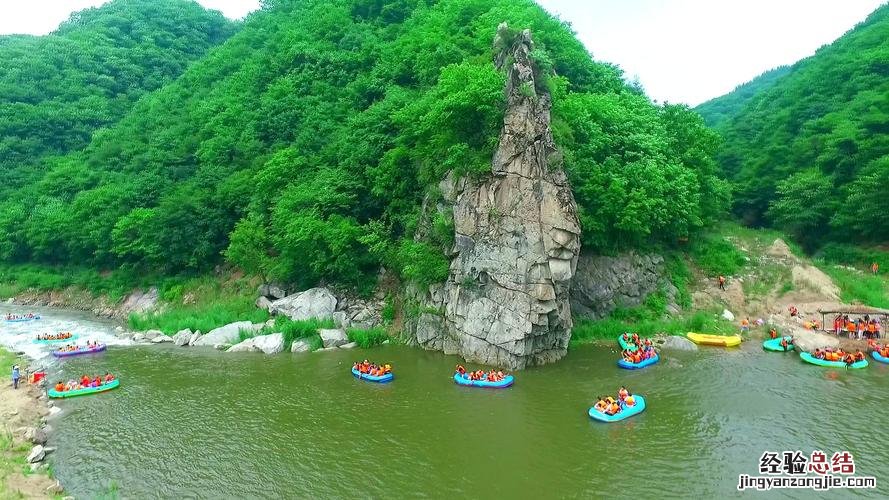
(775, 344)
(624, 344)
(83, 392)
(808, 358)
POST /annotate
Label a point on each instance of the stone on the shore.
(263, 302)
(317, 303)
(808, 341)
(350, 345)
(152, 334)
(222, 347)
(333, 337)
(55, 489)
(36, 436)
(678, 343)
(228, 334)
(37, 454)
(268, 344)
(341, 319)
(300, 345)
(194, 337)
(161, 339)
(54, 410)
(182, 337)
(327, 349)
(726, 314)
(272, 290)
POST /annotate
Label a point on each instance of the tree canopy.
(304, 147)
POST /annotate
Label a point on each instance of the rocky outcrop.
(300, 346)
(160, 339)
(272, 291)
(36, 455)
(517, 237)
(317, 303)
(808, 341)
(677, 343)
(194, 338)
(182, 337)
(268, 344)
(604, 283)
(263, 302)
(333, 337)
(139, 302)
(228, 334)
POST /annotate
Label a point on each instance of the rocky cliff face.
(517, 238)
(604, 283)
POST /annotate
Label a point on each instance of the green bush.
(860, 287)
(837, 253)
(367, 337)
(715, 255)
(295, 330)
(203, 317)
(422, 263)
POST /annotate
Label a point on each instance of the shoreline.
(24, 431)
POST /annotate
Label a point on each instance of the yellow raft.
(719, 340)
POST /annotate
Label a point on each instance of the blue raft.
(636, 366)
(382, 379)
(464, 380)
(625, 412)
(23, 320)
(775, 344)
(878, 357)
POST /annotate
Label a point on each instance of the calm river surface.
(196, 423)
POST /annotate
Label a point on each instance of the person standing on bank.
(16, 375)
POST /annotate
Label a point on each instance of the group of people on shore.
(862, 328)
(54, 336)
(831, 354)
(491, 376)
(374, 370)
(611, 406)
(85, 382)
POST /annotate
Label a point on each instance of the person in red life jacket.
(784, 344)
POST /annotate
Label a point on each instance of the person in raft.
(610, 406)
(367, 368)
(784, 343)
(58, 336)
(639, 355)
(86, 382)
(882, 350)
(481, 375)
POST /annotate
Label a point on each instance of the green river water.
(196, 423)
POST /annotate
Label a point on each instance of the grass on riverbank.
(17, 278)
(203, 304)
(293, 330)
(586, 331)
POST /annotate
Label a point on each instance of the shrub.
(367, 337)
(715, 255)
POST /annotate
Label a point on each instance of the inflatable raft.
(464, 380)
(82, 350)
(625, 412)
(636, 366)
(382, 379)
(23, 320)
(808, 358)
(878, 357)
(83, 392)
(717, 340)
(775, 344)
(56, 341)
(625, 344)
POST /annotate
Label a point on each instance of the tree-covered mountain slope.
(56, 90)
(810, 152)
(718, 110)
(305, 148)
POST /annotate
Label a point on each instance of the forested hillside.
(303, 149)
(716, 111)
(810, 152)
(56, 90)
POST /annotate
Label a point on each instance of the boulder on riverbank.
(300, 345)
(182, 337)
(272, 290)
(268, 344)
(333, 337)
(194, 338)
(807, 340)
(317, 303)
(160, 339)
(37, 454)
(263, 303)
(228, 334)
(678, 343)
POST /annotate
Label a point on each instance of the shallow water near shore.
(199, 423)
